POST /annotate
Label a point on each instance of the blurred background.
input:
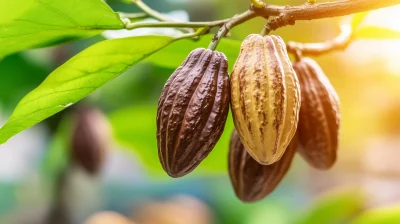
(40, 183)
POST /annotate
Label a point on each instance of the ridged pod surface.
(192, 111)
(90, 139)
(265, 97)
(251, 180)
(319, 115)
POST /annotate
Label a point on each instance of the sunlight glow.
(387, 17)
(385, 50)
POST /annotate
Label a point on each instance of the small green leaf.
(358, 19)
(78, 77)
(334, 207)
(389, 215)
(173, 55)
(56, 158)
(375, 32)
(49, 22)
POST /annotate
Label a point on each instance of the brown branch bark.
(288, 15)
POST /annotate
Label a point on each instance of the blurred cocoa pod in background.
(90, 139)
(181, 209)
(108, 217)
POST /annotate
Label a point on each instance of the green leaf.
(389, 215)
(49, 22)
(375, 32)
(9, 10)
(334, 207)
(358, 19)
(57, 155)
(78, 77)
(173, 55)
(15, 83)
(135, 128)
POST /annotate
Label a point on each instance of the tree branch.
(285, 15)
(288, 15)
(339, 43)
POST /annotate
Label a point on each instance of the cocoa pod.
(319, 115)
(251, 180)
(90, 139)
(107, 217)
(265, 97)
(192, 111)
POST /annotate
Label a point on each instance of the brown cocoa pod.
(192, 111)
(319, 115)
(251, 180)
(265, 97)
(90, 139)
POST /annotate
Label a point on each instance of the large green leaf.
(173, 55)
(135, 128)
(10, 10)
(390, 215)
(78, 77)
(49, 22)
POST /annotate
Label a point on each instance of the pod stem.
(236, 20)
(265, 31)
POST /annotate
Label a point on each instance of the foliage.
(334, 207)
(389, 215)
(14, 78)
(75, 79)
(141, 138)
(45, 23)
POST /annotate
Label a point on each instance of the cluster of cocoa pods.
(278, 108)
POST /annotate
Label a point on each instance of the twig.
(236, 20)
(338, 43)
(151, 12)
(139, 15)
(211, 24)
(198, 32)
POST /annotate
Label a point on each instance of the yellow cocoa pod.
(265, 97)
